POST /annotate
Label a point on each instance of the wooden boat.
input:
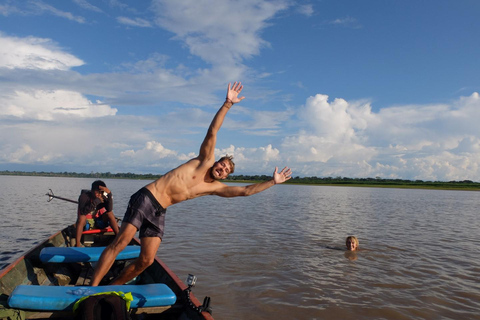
(55, 266)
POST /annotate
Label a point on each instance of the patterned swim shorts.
(146, 214)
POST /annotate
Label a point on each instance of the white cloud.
(80, 144)
(306, 9)
(88, 6)
(24, 60)
(50, 105)
(136, 22)
(257, 122)
(152, 155)
(430, 142)
(34, 53)
(22, 154)
(7, 9)
(347, 22)
(222, 32)
(41, 7)
(332, 131)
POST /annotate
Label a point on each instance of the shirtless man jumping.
(198, 177)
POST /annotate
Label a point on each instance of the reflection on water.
(269, 255)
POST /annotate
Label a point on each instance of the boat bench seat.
(62, 298)
(83, 254)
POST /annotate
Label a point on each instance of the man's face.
(220, 170)
(98, 194)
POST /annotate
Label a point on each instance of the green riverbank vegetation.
(326, 181)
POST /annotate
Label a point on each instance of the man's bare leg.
(113, 221)
(123, 238)
(79, 225)
(148, 252)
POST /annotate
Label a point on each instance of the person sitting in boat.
(200, 176)
(352, 243)
(97, 202)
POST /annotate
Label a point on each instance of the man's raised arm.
(207, 149)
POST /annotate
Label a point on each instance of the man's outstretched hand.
(282, 176)
(234, 91)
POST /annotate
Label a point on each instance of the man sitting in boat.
(199, 176)
(97, 203)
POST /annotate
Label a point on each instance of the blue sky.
(333, 88)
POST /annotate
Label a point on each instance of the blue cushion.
(60, 298)
(83, 254)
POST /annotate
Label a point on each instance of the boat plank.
(85, 276)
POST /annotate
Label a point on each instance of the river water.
(279, 254)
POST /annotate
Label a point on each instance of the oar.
(51, 196)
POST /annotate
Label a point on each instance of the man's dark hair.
(96, 185)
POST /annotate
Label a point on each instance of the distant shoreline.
(377, 182)
(440, 186)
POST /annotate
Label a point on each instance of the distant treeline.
(377, 181)
(93, 175)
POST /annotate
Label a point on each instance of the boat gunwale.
(12, 265)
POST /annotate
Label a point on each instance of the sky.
(332, 88)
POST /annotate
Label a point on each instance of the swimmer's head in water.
(352, 243)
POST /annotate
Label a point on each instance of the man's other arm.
(231, 191)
